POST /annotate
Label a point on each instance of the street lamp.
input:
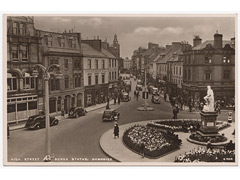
(46, 77)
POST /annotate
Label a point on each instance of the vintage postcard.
(120, 89)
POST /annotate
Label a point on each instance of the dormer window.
(226, 59)
(48, 39)
(61, 41)
(74, 43)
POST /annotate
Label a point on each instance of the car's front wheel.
(37, 126)
(76, 116)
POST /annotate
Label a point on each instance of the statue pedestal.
(208, 123)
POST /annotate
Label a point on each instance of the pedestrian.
(62, 113)
(137, 95)
(142, 147)
(8, 131)
(119, 99)
(190, 107)
(107, 106)
(116, 131)
(175, 111)
(165, 97)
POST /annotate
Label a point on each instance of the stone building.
(63, 49)
(23, 52)
(210, 63)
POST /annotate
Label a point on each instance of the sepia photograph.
(120, 89)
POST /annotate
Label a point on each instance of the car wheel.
(76, 116)
(56, 123)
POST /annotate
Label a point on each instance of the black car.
(125, 97)
(156, 99)
(110, 115)
(76, 112)
(39, 121)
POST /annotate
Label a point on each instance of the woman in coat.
(116, 131)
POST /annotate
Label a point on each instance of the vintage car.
(156, 99)
(76, 112)
(139, 87)
(39, 121)
(110, 115)
(125, 97)
(154, 90)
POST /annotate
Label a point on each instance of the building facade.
(210, 63)
(23, 52)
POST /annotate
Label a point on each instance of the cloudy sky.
(134, 32)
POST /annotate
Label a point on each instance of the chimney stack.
(196, 41)
(217, 40)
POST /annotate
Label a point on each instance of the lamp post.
(46, 77)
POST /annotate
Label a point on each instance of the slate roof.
(204, 44)
(87, 50)
(107, 53)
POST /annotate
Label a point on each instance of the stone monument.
(209, 116)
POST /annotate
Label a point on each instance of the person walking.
(175, 111)
(116, 131)
(165, 97)
(137, 95)
(119, 99)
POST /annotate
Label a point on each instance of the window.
(103, 78)
(22, 107)
(22, 29)
(208, 59)
(226, 59)
(226, 74)
(189, 74)
(49, 40)
(15, 28)
(74, 43)
(11, 108)
(14, 53)
(53, 61)
(103, 64)
(180, 71)
(77, 80)
(89, 64)
(29, 82)
(24, 52)
(176, 70)
(113, 76)
(62, 42)
(208, 75)
(59, 41)
(66, 81)
(70, 43)
(54, 83)
(89, 80)
(77, 64)
(32, 105)
(66, 63)
(96, 63)
(110, 75)
(96, 79)
(11, 82)
(110, 62)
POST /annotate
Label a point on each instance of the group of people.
(202, 154)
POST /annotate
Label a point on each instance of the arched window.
(12, 83)
(226, 74)
(29, 82)
(208, 58)
(208, 75)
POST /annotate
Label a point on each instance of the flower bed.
(156, 142)
(207, 155)
(183, 125)
(217, 139)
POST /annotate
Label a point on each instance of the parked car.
(110, 115)
(156, 99)
(76, 112)
(154, 90)
(139, 87)
(39, 121)
(125, 97)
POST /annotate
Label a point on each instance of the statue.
(209, 99)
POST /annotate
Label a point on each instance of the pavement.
(21, 124)
(118, 151)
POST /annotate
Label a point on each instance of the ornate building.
(210, 63)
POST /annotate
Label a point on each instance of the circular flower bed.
(184, 125)
(156, 142)
(215, 139)
(207, 155)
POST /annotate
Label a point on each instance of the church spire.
(115, 41)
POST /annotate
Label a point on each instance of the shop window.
(89, 99)
(11, 82)
(22, 107)
(59, 104)
(32, 105)
(226, 74)
(11, 108)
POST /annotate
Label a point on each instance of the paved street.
(79, 138)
